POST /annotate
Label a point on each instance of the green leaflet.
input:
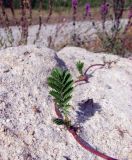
(66, 78)
(56, 73)
(67, 93)
(58, 121)
(54, 83)
(56, 95)
(67, 85)
(66, 100)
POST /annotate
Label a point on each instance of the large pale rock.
(26, 129)
(26, 110)
(110, 128)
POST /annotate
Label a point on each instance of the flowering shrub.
(23, 22)
(114, 41)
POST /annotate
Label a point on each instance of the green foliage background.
(66, 3)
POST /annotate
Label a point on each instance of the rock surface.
(26, 109)
(59, 35)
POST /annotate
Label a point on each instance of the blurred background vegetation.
(64, 3)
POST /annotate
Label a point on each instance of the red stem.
(82, 78)
(82, 142)
(93, 66)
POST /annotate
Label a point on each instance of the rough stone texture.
(57, 36)
(26, 110)
(110, 128)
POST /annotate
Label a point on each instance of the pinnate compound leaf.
(61, 84)
(80, 66)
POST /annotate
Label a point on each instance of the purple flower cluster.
(87, 9)
(74, 4)
(129, 24)
(130, 13)
(104, 8)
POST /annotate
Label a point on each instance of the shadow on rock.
(60, 62)
(67, 158)
(86, 110)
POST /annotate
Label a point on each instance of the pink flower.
(104, 8)
(87, 9)
(74, 4)
(130, 13)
